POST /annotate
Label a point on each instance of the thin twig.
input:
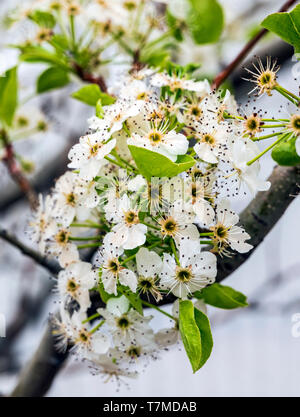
(15, 171)
(52, 267)
(245, 51)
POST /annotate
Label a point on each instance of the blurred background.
(256, 352)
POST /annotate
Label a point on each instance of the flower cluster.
(150, 236)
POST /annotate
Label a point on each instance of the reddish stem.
(86, 76)
(16, 173)
(245, 51)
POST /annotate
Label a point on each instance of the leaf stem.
(267, 149)
(159, 309)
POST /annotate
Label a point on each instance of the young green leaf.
(153, 164)
(206, 336)
(286, 26)
(52, 78)
(91, 94)
(224, 297)
(34, 54)
(190, 333)
(285, 153)
(43, 19)
(205, 20)
(8, 96)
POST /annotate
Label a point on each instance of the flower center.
(129, 5)
(210, 139)
(169, 226)
(134, 352)
(195, 111)
(220, 233)
(131, 217)
(123, 322)
(62, 237)
(155, 137)
(113, 266)
(184, 274)
(72, 286)
(83, 336)
(295, 124)
(252, 124)
(70, 198)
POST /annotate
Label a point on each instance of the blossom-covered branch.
(265, 210)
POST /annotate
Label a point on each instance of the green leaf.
(91, 94)
(222, 296)
(59, 42)
(190, 333)
(286, 26)
(43, 19)
(205, 20)
(36, 54)
(153, 164)
(285, 153)
(8, 96)
(133, 298)
(206, 336)
(52, 78)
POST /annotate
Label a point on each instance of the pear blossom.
(113, 272)
(149, 265)
(88, 155)
(60, 246)
(129, 328)
(226, 233)
(43, 226)
(243, 152)
(75, 281)
(160, 140)
(128, 232)
(194, 272)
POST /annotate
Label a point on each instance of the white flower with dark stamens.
(67, 205)
(75, 282)
(88, 155)
(43, 226)
(116, 114)
(128, 233)
(129, 328)
(265, 79)
(149, 265)
(87, 195)
(241, 153)
(226, 233)
(178, 224)
(108, 367)
(211, 143)
(194, 273)
(113, 272)
(83, 340)
(159, 139)
(62, 248)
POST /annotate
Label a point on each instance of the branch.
(86, 76)
(37, 376)
(245, 51)
(52, 267)
(16, 173)
(258, 218)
